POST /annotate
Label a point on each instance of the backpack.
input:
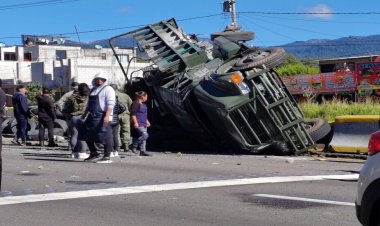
(118, 109)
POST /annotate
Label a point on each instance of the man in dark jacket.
(20, 112)
(46, 117)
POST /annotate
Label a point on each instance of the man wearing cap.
(98, 115)
(46, 116)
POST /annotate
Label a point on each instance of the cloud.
(321, 11)
(124, 9)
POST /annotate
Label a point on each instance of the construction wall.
(84, 70)
(47, 68)
(8, 70)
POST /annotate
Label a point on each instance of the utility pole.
(233, 13)
(229, 6)
(233, 31)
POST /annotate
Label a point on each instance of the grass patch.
(328, 110)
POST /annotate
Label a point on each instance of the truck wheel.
(318, 129)
(269, 57)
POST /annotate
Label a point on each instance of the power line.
(267, 29)
(119, 28)
(201, 17)
(321, 21)
(184, 19)
(313, 13)
(34, 4)
(297, 28)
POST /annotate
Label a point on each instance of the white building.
(56, 66)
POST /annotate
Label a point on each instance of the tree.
(34, 88)
(291, 59)
(310, 62)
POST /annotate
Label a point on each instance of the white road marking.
(305, 199)
(165, 187)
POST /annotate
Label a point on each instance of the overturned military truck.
(225, 94)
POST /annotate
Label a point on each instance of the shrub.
(296, 69)
(33, 88)
(328, 110)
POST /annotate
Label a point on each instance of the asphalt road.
(47, 187)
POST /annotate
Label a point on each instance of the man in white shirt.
(98, 115)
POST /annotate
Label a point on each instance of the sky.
(275, 22)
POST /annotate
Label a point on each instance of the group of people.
(97, 118)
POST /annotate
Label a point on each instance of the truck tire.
(268, 57)
(60, 128)
(318, 129)
(30, 127)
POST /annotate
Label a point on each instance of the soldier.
(62, 101)
(125, 121)
(61, 105)
(115, 123)
(75, 107)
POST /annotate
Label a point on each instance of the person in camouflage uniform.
(74, 107)
(61, 105)
(125, 121)
(62, 101)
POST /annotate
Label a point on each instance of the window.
(10, 56)
(60, 54)
(124, 57)
(103, 56)
(28, 56)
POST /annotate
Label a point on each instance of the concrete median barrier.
(352, 132)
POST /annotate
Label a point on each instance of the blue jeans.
(140, 141)
(76, 143)
(106, 139)
(22, 125)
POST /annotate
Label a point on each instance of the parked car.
(368, 194)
